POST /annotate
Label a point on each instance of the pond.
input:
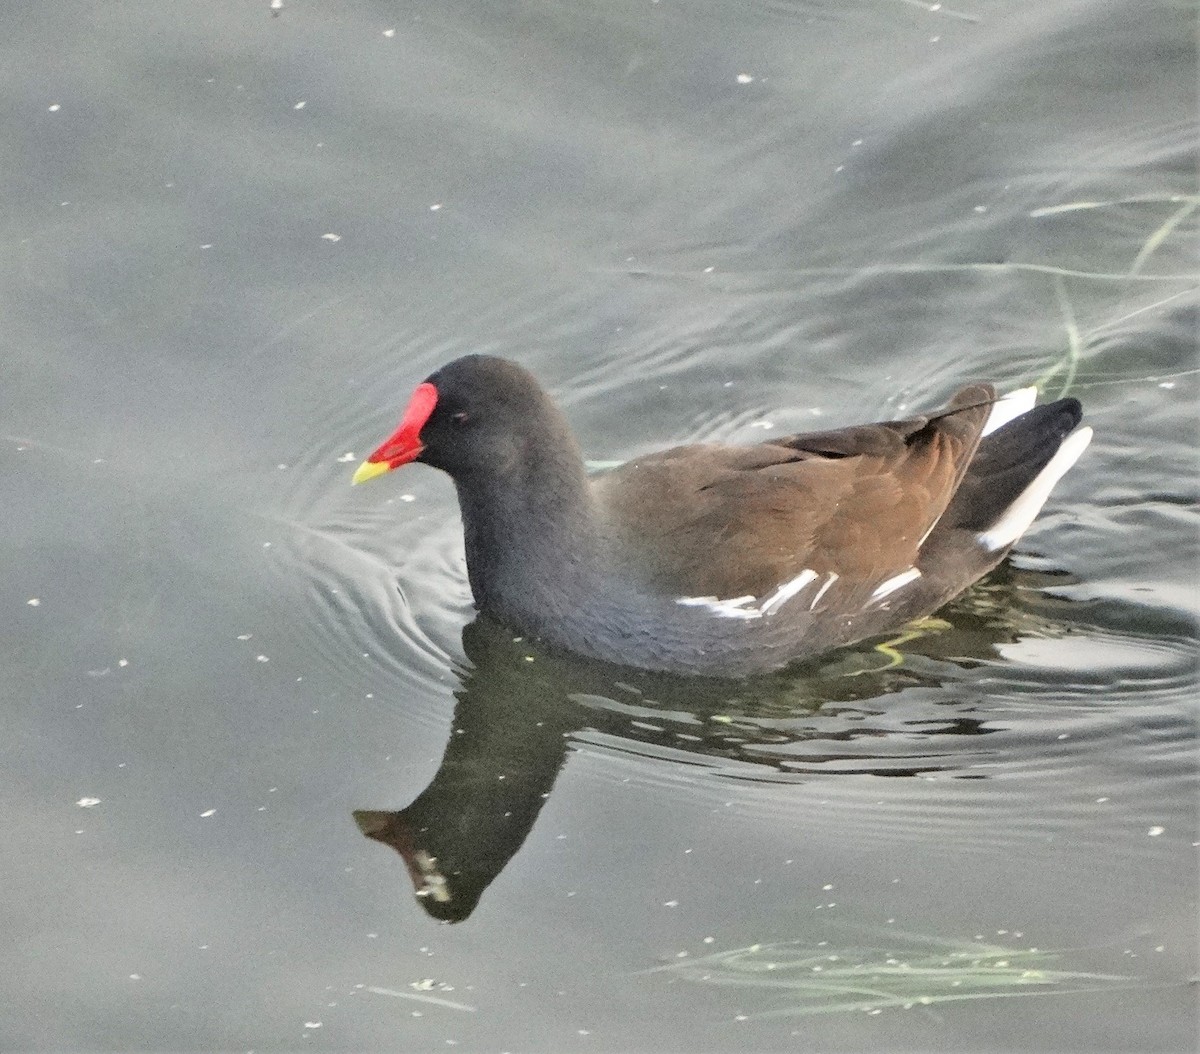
(270, 786)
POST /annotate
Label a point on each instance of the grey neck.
(532, 536)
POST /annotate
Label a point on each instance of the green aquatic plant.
(906, 972)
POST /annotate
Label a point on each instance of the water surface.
(235, 242)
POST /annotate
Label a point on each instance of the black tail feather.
(1007, 461)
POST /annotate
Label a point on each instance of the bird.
(727, 560)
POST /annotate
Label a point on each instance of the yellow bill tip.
(369, 470)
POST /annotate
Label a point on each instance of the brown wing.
(722, 521)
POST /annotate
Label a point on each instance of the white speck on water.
(709, 940)
(245, 636)
(934, 40)
(709, 270)
(281, 466)
(207, 813)
(206, 245)
(980, 208)
(1167, 384)
(840, 168)
(34, 602)
(312, 1024)
(1063, 735)
(828, 886)
(1155, 831)
(745, 78)
(389, 32)
(88, 803)
(331, 237)
(435, 207)
(347, 456)
(670, 903)
(122, 663)
(857, 142)
(262, 658)
(54, 107)
(266, 545)
(408, 497)
(300, 105)
(135, 976)
(762, 424)
(276, 5)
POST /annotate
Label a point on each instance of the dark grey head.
(477, 417)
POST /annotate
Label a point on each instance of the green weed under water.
(909, 971)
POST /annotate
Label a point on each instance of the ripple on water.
(1061, 728)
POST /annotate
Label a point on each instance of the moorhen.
(728, 560)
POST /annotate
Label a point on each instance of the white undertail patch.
(1021, 513)
(1009, 407)
(746, 607)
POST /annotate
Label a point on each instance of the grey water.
(266, 784)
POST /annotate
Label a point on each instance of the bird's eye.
(460, 418)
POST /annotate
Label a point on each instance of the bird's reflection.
(519, 708)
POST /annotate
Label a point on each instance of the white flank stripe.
(833, 577)
(744, 607)
(730, 608)
(895, 582)
(1021, 513)
(788, 590)
(1010, 406)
